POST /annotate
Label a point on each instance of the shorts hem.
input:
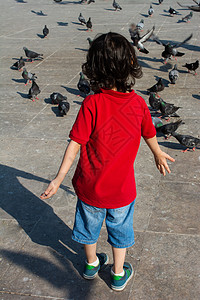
(121, 246)
(83, 241)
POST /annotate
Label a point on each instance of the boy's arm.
(160, 156)
(69, 156)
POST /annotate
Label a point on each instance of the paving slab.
(38, 259)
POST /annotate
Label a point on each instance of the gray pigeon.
(158, 87)
(83, 85)
(89, 41)
(188, 17)
(31, 54)
(170, 128)
(34, 91)
(173, 74)
(150, 10)
(168, 109)
(116, 5)
(63, 107)
(140, 25)
(192, 66)
(45, 31)
(153, 101)
(57, 98)
(28, 76)
(187, 141)
(82, 19)
(89, 24)
(157, 122)
(19, 64)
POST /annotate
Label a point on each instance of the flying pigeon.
(168, 109)
(140, 25)
(192, 66)
(19, 64)
(153, 101)
(83, 85)
(168, 129)
(45, 31)
(116, 5)
(89, 24)
(173, 74)
(33, 91)
(138, 40)
(171, 50)
(158, 87)
(81, 19)
(28, 76)
(31, 54)
(188, 17)
(57, 98)
(172, 11)
(187, 141)
(192, 7)
(151, 10)
(63, 107)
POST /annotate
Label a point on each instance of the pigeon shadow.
(21, 1)
(39, 13)
(62, 23)
(77, 102)
(144, 15)
(155, 3)
(71, 90)
(40, 36)
(56, 111)
(19, 80)
(37, 220)
(172, 145)
(196, 96)
(144, 64)
(25, 96)
(166, 67)
(154, 59)
(48, 100)
(81, 49)
(181, 21)
(68, 2)
(165, 15)
(76, 23)
(110, 9)
(143, 92)
(183, 71)
(82, 29)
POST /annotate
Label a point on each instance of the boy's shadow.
(43, 226)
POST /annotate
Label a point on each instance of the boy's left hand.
(161, 162)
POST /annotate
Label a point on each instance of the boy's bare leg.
(90, 252)
(118, 259)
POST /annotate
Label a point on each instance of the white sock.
(94, 264)
(120, 274)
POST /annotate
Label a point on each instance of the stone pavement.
(38, 259)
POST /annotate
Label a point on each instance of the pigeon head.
(24, 48)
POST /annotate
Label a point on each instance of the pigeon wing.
(145, 37)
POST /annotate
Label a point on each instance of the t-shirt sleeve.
(148, 129)
(82, 128)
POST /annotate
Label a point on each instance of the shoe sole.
(120, 288)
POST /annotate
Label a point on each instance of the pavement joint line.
(167, 233)
(31, 295)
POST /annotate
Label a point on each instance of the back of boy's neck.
(115, 89)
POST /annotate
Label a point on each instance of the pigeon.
(188, 17)
(173, 11)
(138, 40)
(89, 41)
(192, 7)
(192, 66)
(63, 107)
(31, 54)
(173, 74)
(168, 109)
(187, 141)
(91, 1)
(33, 91)
(168, 129)
(19, 64)
(83, 85)
(89, 24)
(157, 122)
(153, 101)
(45, 31)
(171, 50)
(158, 87)
(160, 1)
(151, 10)
(28, 76)
(57, 98)
(116, 5)
(81, 19)
(140, 25)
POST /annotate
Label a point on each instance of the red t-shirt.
(109, 127)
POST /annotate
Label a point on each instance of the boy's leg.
(90, 252)
(118, 259)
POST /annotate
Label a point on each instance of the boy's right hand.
(51, 190)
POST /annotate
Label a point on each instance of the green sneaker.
(118, 283)
(90, 272)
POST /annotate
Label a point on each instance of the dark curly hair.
(111, 63)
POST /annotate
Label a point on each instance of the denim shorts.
(119, 224)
